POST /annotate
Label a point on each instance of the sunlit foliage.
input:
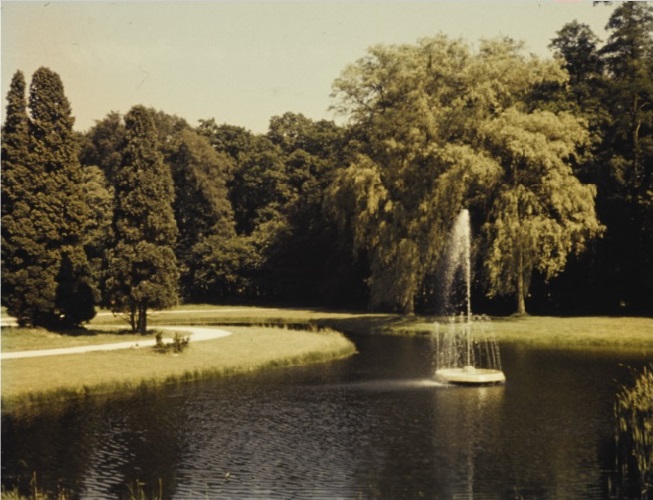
(439, 128)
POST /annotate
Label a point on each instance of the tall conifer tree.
(46, 274)
(627, 194)
(15, 208)
(142, 269)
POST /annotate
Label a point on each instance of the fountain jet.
(467, 353)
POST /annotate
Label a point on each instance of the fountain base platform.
(470, 375)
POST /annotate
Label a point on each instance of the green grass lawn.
(26, 339)
(583, 331)
(548, 331)
(204, 314)
(250, 348)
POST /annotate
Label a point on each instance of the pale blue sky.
(242, 62)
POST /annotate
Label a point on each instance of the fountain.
(467, 353)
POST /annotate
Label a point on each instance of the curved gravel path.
(196, 334)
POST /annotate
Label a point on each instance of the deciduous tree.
(427, 118)
(260, 192)
(202, 210)
(541, 212)
(306, 266)
(98, 234)
(101, 145)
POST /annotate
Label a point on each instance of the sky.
(243, 62)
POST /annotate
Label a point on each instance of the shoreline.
(274, 338)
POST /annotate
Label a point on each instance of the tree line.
(552, 157)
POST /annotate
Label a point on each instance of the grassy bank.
(596, 331)
(29, 380)
(546, 331)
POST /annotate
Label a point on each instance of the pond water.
(372, 426)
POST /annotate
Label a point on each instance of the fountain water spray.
(466, 352)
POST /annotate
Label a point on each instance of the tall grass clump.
(135, 491)
(35, 493)
(634, 433)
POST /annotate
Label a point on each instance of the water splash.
(457, 267)
(467, 351)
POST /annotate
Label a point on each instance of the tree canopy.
(441, 128)
(613, 88)
(553, 158)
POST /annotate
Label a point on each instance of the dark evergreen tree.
(54, 149)
(577, 47)
(142, 269)
(204, 248)
(48, 279)
(626, 174)
(613, 87)
(16, 181)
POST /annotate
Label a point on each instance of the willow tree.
(541, 212)
(424, 117)
(142, 270)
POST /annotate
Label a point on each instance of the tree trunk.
(521, 301)
(521, 288)
(409, 307)
(636, 146)
(132, 318)
(142, 320)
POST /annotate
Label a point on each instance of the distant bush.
(634, 414)
(178, 344)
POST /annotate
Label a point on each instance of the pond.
(372, 426)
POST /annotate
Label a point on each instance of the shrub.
(634, 435)
(178, 344)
